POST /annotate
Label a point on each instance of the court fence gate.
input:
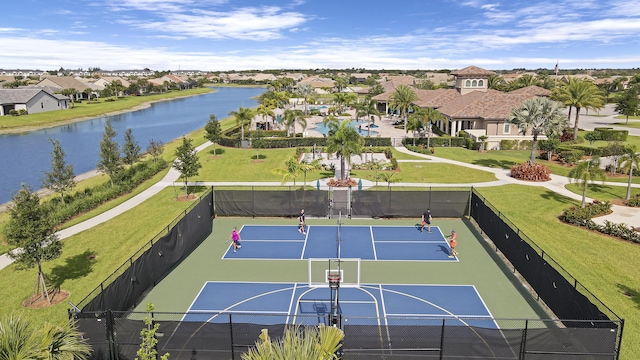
(589, 329)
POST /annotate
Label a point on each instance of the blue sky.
(223, 35)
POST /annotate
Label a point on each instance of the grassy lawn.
(603, 192)
(87, 110)
(112, 243)
(632, 124)
(606, 266)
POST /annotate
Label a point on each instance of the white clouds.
(221, 35)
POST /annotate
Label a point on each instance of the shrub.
(23, 112)
(394, 164)
(570, 156)
(13, 112)
(634, 201)
(609, 134)
(508, 144)
(530, 172)
(579, 216)
(388, 153)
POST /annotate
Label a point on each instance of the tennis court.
(338, 241)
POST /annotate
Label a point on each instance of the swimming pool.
(360, 125)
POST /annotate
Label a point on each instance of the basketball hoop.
(334, 279)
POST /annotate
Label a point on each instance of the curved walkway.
(620, 214)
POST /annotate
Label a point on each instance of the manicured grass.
(631, 124)
(86, 110)
(603, 192)
(606, 266)
(112, 243)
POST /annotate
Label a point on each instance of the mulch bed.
(38, 301)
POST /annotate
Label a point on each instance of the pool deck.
(385, 125)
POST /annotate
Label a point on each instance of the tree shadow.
(597, 189)
(493, 163)
(75, 267)
(552, 195)
(633, 294)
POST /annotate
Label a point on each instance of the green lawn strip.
(604, 265)
(240, 165)
(399, 155)
(89, 109)
(603, 192)
(494, 283)
(112, 243)
(631, 124)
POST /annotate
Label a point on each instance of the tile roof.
(471, 71)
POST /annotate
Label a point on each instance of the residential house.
(31, 100)
(473, 107)
(64, 82)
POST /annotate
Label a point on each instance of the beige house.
(473, 107)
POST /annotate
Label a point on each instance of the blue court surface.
(332, 241)
(368, 304)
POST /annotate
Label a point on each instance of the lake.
(23, 157)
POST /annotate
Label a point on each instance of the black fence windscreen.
(559, 290)
(162, 255)
(347, 201)
(230, 335)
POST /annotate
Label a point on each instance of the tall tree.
(155, 149)
(307, 92)
(414, 124)
(213, 131)
(243, 117)
(538, 116)
(345, 141)
(130, 148)
(266, 110)
(368, 108)
(109, 162)
(71, 93)
(60, 178)
(402, 99)
(187, 162)
(627, 163)
(585, 172)
(628, 104)
(289, 119)
(31, 228)
(579, 93)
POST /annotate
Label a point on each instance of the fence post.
(442, 339)
(523, 341)
(231, 337)
(113, 348)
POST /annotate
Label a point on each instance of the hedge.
(609, 134)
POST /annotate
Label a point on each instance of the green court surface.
(478, 265)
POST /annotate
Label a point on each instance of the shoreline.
(142, 106)
(91, 173)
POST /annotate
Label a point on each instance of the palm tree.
(306, 167)
(539, 116)
(390, 177)
(243, 116)
(367, 109)
(340, 99)
(414, 124)
(402, 99)
(307, 92)
(20, 340)
(345, 141)
(579, 94)
(585, 172)
(524, 81)
(496, 82)
(290, 171)
(318, 343)
(629, 161)
(289, 118)
(266, 110)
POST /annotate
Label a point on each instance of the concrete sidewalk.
(620, 214)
